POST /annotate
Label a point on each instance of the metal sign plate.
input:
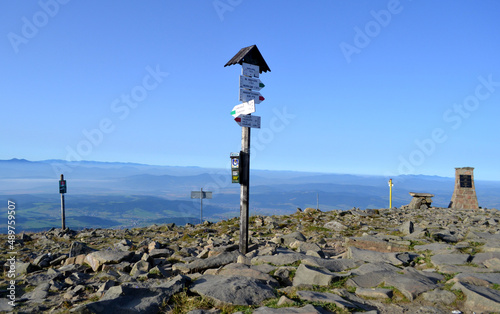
(250, 70)
(248, 121)
(247, 95)
(465, 181)
(198, 194)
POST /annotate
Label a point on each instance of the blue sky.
(360, 87)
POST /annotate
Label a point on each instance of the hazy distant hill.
(125, 194)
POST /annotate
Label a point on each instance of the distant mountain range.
(117, 195)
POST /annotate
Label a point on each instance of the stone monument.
(464, 195)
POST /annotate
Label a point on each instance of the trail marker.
(247, 95)
(251, 83)
(201, 195)
(244, 108)
(248, 121)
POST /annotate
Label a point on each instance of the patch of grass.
(413, 243)
(495, 286)
(397, 296)
(447, 276)
(316, 229)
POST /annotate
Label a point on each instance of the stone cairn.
(420, 200)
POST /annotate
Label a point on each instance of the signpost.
(201, 195)
(252, 64)
(62, 190)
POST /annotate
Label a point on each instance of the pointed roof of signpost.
(251, 55)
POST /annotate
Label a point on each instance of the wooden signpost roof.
(251, 55)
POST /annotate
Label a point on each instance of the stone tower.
(464, 195)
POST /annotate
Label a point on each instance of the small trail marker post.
(390, 193)
(252, 64)
(201, 195)
(62, 190)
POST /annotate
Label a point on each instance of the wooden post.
(201, 206)
(245, 188)
(63, 218)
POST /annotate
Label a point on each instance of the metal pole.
(63, 218)
(245, 189)
(201, 206)
(390, 193)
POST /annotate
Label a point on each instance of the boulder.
(479, 299)
(99, 258)
(200, 265)
(310, 276)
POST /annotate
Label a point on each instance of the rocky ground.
(436, 260)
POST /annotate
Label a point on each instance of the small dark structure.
(250, 55)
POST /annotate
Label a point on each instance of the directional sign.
(247, 95)
(248, 121)
(198, 194)
(250, 70)
(251, 83)
(244, 108)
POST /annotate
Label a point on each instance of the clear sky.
(362, 87)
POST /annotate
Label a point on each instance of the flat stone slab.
(412, 283)
(211, 262)
(237, 290)
(307, 309)
(245, 270)
(481, 258)
(131, 299)
(325, 297)
(414, 194)
(377, 293)
(436, 248)
(373, 256)
(450, 259)
(374, 267)
(479, 299)
(479, 279)
(375, 244)
(310, 276)
(439, 296)
(335, 265)
(98, 258)
(279, 259)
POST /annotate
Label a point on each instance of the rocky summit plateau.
(398, 260)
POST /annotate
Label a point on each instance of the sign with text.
(200, 194)
(247, 95)
(250, 70)
(244, 108)
(251, 83)
(248, 121)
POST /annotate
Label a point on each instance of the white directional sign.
(247, 95)
(248, 121)
(244, 108)
(250, 70)
(251, 83)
